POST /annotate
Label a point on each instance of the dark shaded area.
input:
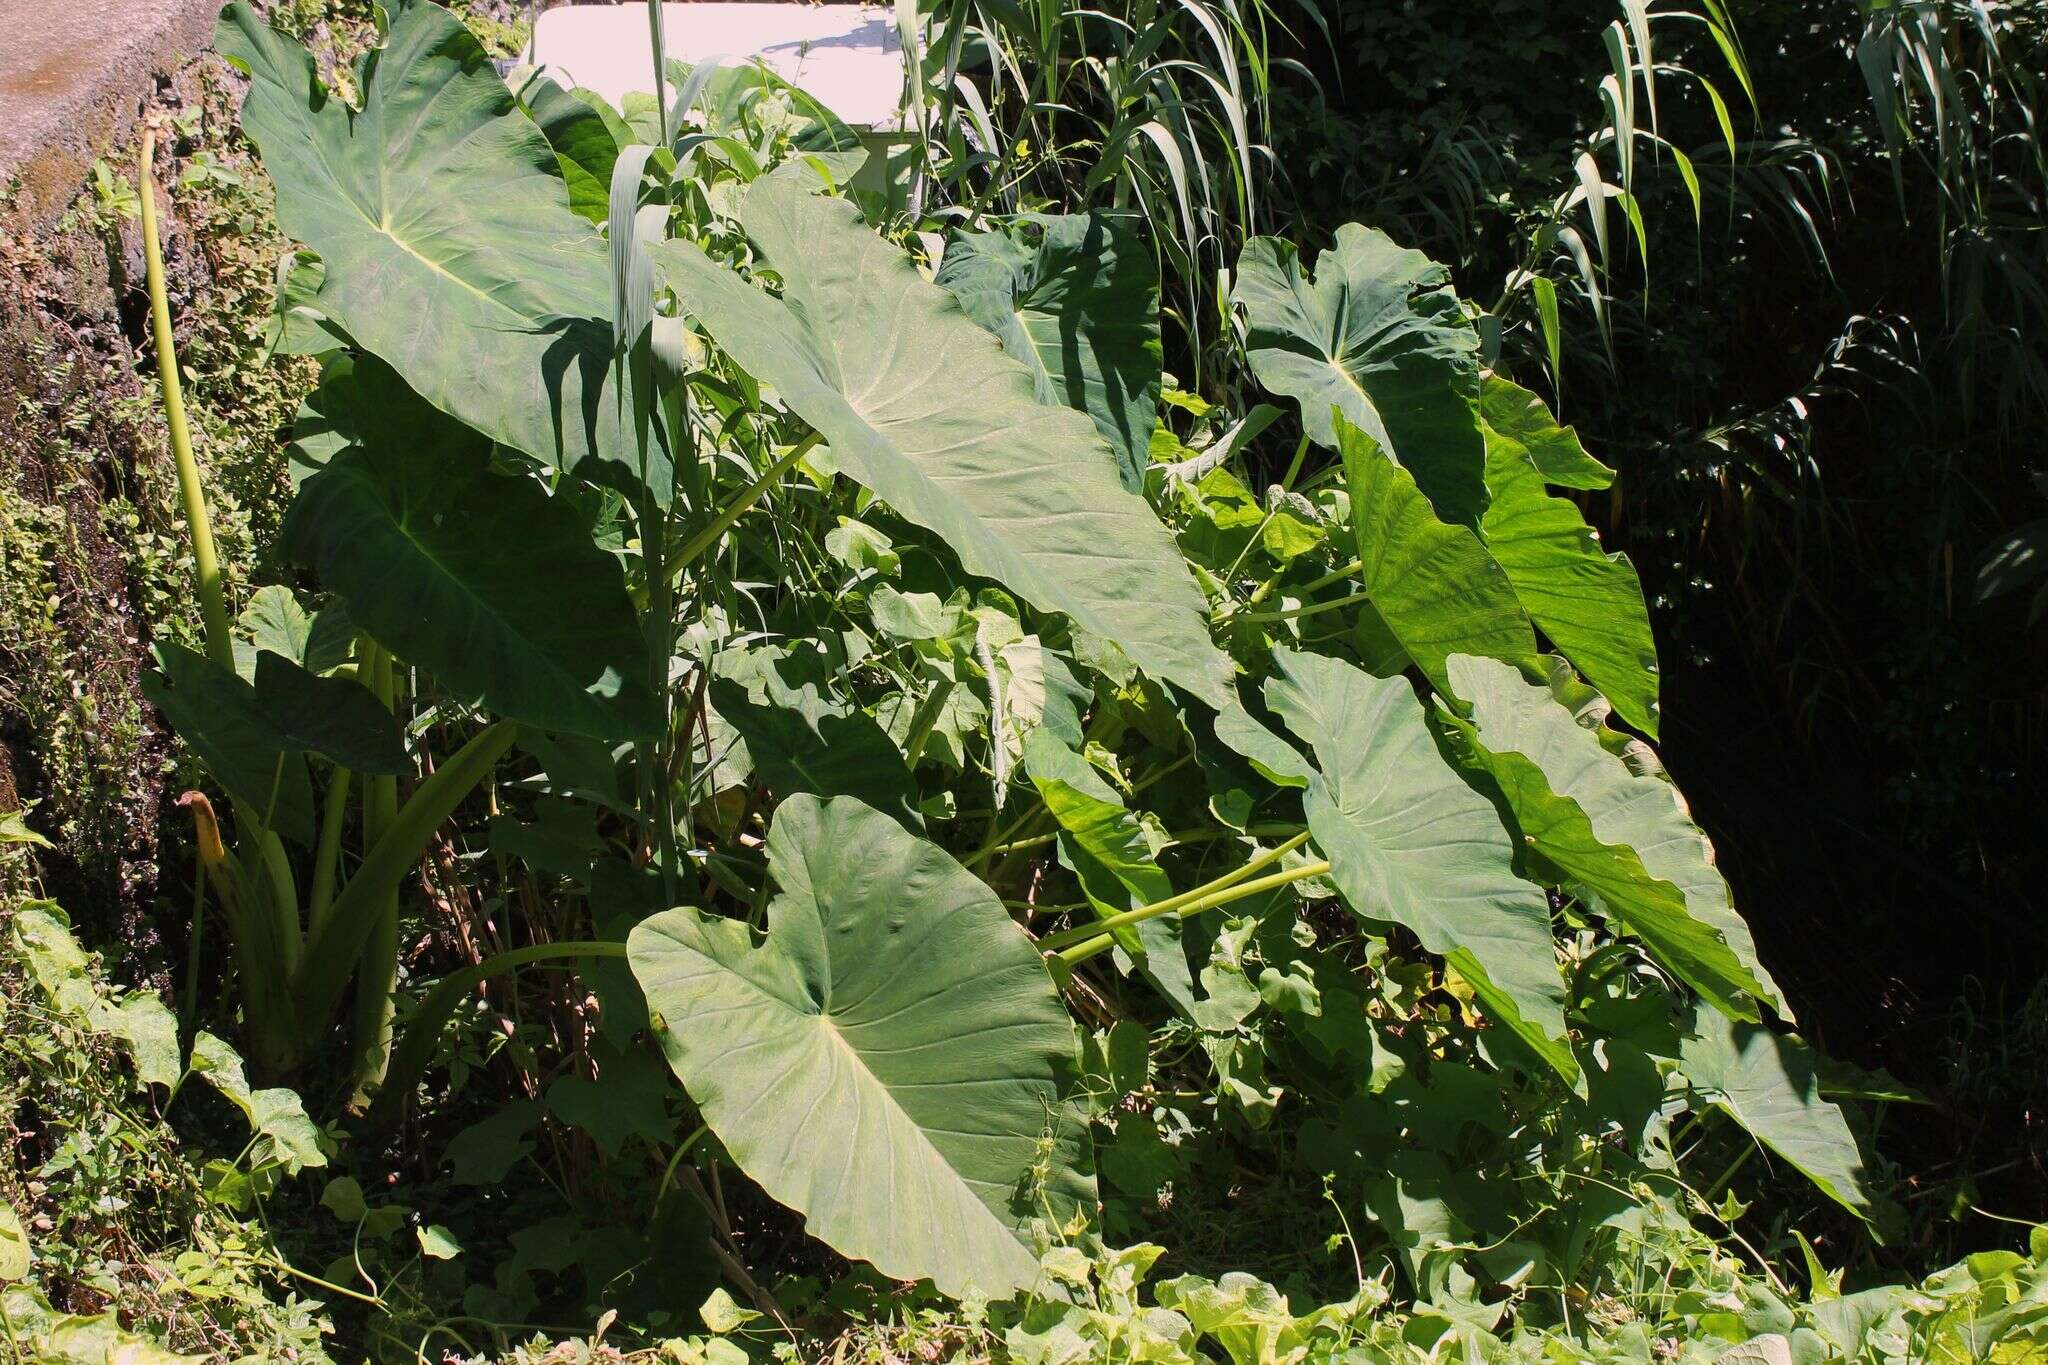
(1819, 444)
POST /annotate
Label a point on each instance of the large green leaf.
(1379, 336)
(1106, 847)
(482, 579)
(440, 213)
(1434, 585)
(1409, 842)
(1587, 601)
(335, 717)
(1769, 1084)
(586, 136)
(888, 1062)
(1076, 298)
(1518, 418)
(1621, 835)
(923, 407)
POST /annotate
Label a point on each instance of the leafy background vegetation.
(1819, 485)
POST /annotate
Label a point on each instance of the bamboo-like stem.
(327, 856)
(277, 901)
(377, 969)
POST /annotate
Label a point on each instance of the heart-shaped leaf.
(1106, 847)
(1621, 835)
(1433, 585)
(218, 714)
(1377, 334)
(889, 1061)
(482, 579)
(1587, 601)
(440, 214)
(1769, 1085)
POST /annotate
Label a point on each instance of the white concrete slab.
(847, 56)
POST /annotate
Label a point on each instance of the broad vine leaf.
(482, 579)
(219, 715)
(730, 97)
(1409, 842)
(275, 621)
(925, 409)
(889, 1061)
(1433, 585)
(440, 214)
(1106, 847)
(1378, 335)
(1076, 298)
(1624, 837)
(1770, 1085)
(284, 1136)
(1587, 601)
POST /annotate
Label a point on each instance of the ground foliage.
(737, 581)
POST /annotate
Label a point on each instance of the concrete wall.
(73, 76)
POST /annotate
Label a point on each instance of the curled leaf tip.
(206, 828)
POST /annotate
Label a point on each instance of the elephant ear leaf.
(1771, 1086)
(889, 1061)
(482, 579)
(1589, 602)
(337, 718)
(439, 212)
(1410, 843)
(1623, 836)
(925, 409)
(800, 741)
(1076, 298)
(1378, 334)
(1518, 419)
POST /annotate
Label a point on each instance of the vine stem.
(1265, 589)
(1312, 609)
(1084, 932)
